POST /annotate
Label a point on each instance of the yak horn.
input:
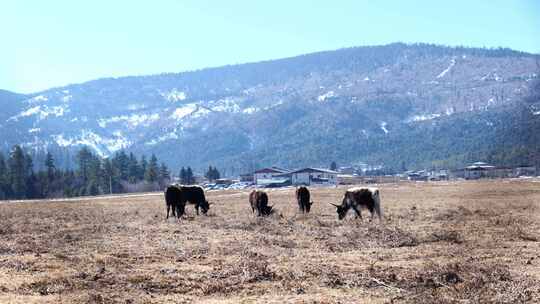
(210, 203)
(334, 205)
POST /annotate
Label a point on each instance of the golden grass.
(474, 242)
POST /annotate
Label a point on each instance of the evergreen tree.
(108, 176)
(209, 174)
(182, 175)
(212, 174)
(83, 161)
(121, 162)
(164, 175)
(216, 174)
(190, 179)
(333, 166)
(4, 192)
(142, 167)
(17, 172)
(152, 170)
(49, 165)
(133, 169)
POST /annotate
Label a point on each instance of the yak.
(176, 197)
(302, 197)
(259, 201)
(358, 197)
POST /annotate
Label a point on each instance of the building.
(525, 171)
(248, 177)
(480, 170)
(314, 176)
(263, 175)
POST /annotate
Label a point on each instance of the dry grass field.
(443, 242)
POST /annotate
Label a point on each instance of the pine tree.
(152, 170)
(109, 177)
(164, 175)
(49, 165)
(17, 172)
(4, 192)
(333, 166)
(83, 160)
(142, 167)
(190, 179)
(182, 175)
(210, 173)
(133, 169)
(216, 174)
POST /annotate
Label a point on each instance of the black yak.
(358, 197)
(302, 197)
(259, 201)
(176, 196)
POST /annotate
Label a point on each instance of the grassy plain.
(440, 242)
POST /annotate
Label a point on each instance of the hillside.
(412, 105)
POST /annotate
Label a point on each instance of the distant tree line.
(93, 175)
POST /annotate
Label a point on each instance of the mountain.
(397, 105)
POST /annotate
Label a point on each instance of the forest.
(93, 175)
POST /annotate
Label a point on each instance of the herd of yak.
(177, 196)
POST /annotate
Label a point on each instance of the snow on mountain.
(41, 111)
(174, 95)
(383, 127)
(167, 136)
(132, 120)
(215, 114)
(452, 63)
(227, 104)
(102, 146)
(184, 111)
(326, 95)
(424, 117)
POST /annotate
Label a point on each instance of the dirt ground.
(440, 242)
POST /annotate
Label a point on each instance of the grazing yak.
(259, 201)
(302, 197)
(176, 197)
(358, 197)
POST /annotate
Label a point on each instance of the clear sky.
(58, 42)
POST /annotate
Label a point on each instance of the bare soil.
(442, 242)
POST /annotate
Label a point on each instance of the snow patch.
(225, 105)
(39, 98)
(132, 120)
(184, 111)
(67, 98)
(367, 79)
(167, 136)
(452, 63)
(41, 111)
(174, 95)
(250, 110)
(383, 127)
(34, 130)
(424, 117)
(102, 146)
(325, 96)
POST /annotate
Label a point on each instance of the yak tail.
(377, 204)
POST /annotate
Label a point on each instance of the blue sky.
(54, 43)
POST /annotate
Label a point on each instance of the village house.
(314, 176)
(483, 170)
(268, 175)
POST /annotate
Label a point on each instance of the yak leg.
(168, 208)
(357, 211)
(197, 209)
